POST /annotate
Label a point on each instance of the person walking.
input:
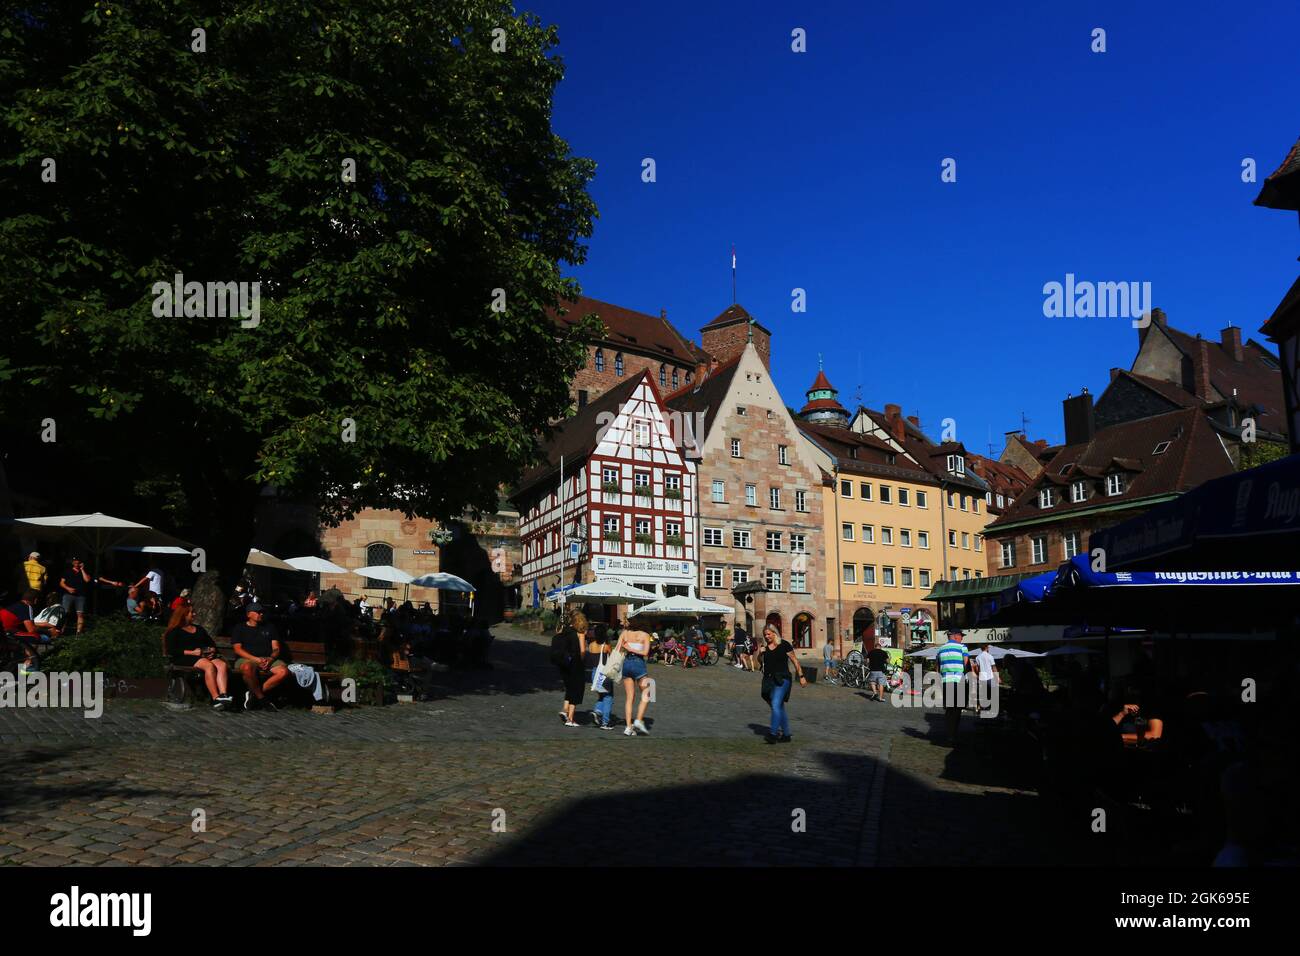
(877, 661)
(777, 656)
(828, 657)
(597, 656)
(635, 645)
(568, 648)
(954, 663)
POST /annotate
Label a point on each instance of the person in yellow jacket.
(37, 576)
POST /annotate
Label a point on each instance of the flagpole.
(733, 273)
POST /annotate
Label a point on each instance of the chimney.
(1114, 373)
(1157, 318)
(1230, 339)
(1080, 424)
(1201, 370)
(893, 411)
(914, 420)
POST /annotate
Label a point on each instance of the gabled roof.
(1039, 448)
(1194, 455)
(705, 395)
(1256, 379)
(627, 329)
(575, 437)
(1002, 478)
(872, 453)
(931, 457)
(1282, 189)
(1286, 317)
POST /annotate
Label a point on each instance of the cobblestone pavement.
(487, 774)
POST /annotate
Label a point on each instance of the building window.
(618, 364)
(1071, 541)
(600, 360)
(846, 489)
(886, 494)
(952, 539)
(798, 544)
(887, 576)
(965, 540)
(906, 577)
(979, 542)
(868, 533)
(1001, 502)
(783, 454)
(974, 504)
(713, 537)
(735, 448)
(801, 501)
(798, 582)
(868, 574)
(964, 506)
(663, 376)
(742, 411)
(923, 539)
(1078, 492)
(965, 574)
(864, 490)
(773, 581)
(582, 398)
(1008, 554)
(905, 537)
(741, 539)
(641, 479)
(640, 432)
(688, 378)
(886, 535)
(774, 498)
(850, 572)
(1114, 484)
(713, 577)
(951, 500)
(1045, 498)
(921, 500)
(378, 554)
(1039, 549)
(751, 495)
(672, 482)
(739, 576)
(925, 578)
(774, 541)
(642, 526)
(611, 528)
(846, 531)
(609, 476)
(719, 491)
(904, 498)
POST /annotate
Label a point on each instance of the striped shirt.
(952, 661)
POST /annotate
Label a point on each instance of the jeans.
(780, 719)
(605, 707)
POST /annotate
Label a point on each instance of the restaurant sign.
(643, 569)
(1012, 635)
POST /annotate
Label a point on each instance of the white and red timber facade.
(615, 499)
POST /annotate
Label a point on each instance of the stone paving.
(487, 774)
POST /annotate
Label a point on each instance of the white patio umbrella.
(603, 592)
(928, 654)
(315, 565)
(1000, 652)
(679, 606)
(442, 582)
(97, 533)
(1065, 649)
(386, 572)
(264, 559)
(151, 549)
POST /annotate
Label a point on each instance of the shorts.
(276, 664)
(634, 667)
(74, 602)
(876, 677)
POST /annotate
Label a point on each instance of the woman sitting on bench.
(189, 645)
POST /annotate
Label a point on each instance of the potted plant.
(612, 535)
(673, 494)
(645, 539)
(371, 680)
(611, 488)
(644, 491)
(674, 540)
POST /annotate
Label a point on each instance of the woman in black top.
(777, 657)
(189, 645)
(569, 648)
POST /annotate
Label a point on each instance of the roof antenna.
(858, 396)
(1024, 425)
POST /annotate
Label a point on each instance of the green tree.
(383, 371)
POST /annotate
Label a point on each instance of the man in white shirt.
(987, 671)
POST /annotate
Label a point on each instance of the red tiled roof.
(1281, 190)
(840, 442)
(734, 313)
(1286, 317)
(926, 453)
(1256, 379)
(634, 331)
(821, 382)
(1194, 455)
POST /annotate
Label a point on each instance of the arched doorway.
(802, 629)
(864, 626)
(775, 620)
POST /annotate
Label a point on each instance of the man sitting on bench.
(19, 619)
(257, 647)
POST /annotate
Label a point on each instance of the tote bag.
(598, 677)
(614, 668)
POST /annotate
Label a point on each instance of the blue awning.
(1078, 573)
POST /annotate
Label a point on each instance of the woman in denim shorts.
(635, 645)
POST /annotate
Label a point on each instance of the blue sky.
(824, 169)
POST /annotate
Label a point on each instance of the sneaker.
(629, 732)
(769, 739)
(607, 727)
(225, 698)
(218, 704)
(640, 727)
(569, 723)
(783, 740)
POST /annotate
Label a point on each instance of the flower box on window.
(674, 541)
(644, 491)
(673, 494)
(645, 539)
(612, 535)
(611, 487)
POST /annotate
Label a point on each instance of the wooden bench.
(184, 682)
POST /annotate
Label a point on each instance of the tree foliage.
(376, 295)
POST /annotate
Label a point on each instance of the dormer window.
(956, 464)
(1161, 448)
(1115, 484)
(1046, 498)
(1078, 492)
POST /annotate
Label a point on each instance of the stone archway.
(864, 626)
(801, 630)
(775, 620)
